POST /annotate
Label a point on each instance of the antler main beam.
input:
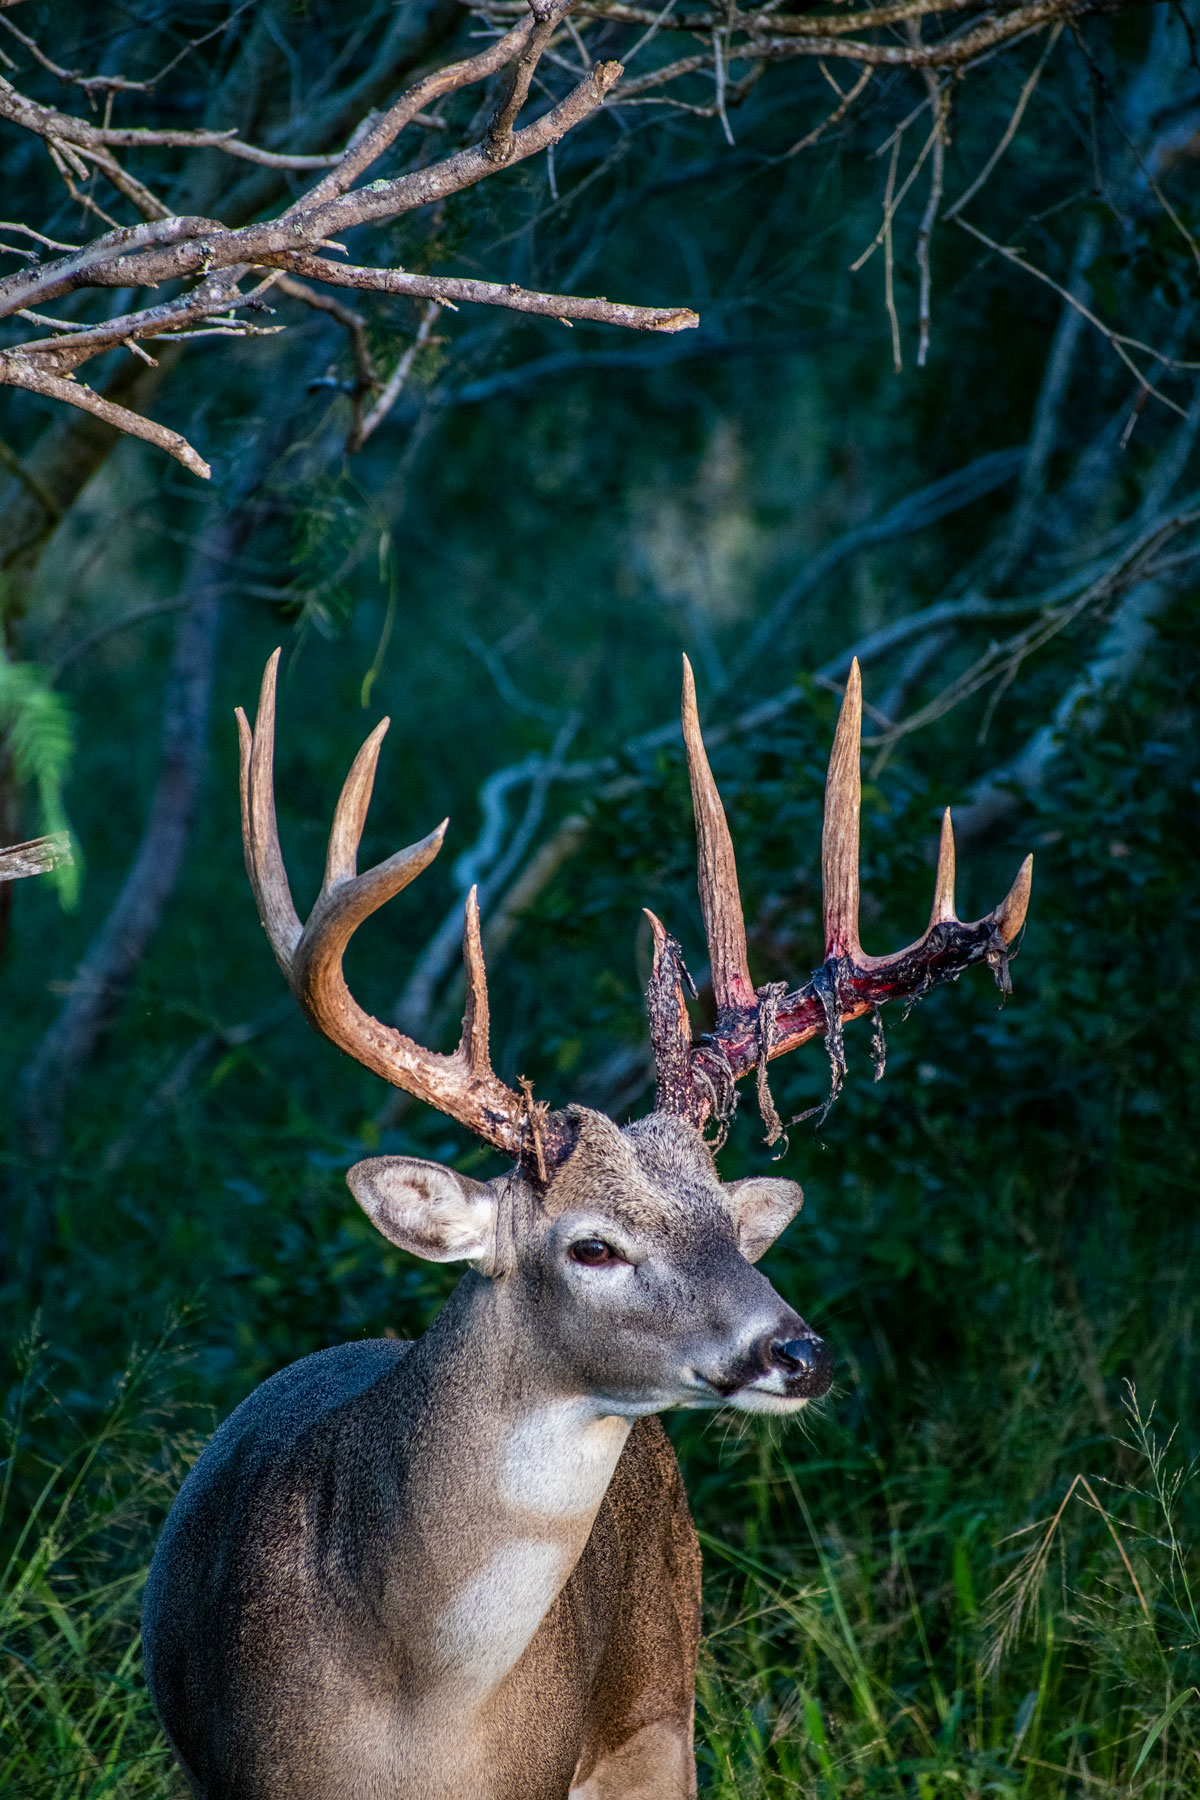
(755, 1025)
(462, 1084)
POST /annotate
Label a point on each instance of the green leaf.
(1160, 1725)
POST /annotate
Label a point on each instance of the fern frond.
(38, 731)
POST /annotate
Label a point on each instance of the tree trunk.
(117, 949)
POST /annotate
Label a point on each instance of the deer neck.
(504, 1472)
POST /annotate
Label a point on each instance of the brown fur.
(464, 1569)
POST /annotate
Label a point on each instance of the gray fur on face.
(680, 1318)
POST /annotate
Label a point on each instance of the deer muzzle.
(779, 1370)
(806, 1365)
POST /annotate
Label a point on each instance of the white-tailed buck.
(464, 1568)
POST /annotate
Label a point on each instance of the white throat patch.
(553, 1468)
(559, 1459)
(480, 1637)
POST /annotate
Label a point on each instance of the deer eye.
(594, 1252)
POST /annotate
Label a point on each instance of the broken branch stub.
(755, 1025)
(37, 856)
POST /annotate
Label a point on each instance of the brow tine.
(943, 886)
(260, 830)
(1010, 914)
(839, 832)
(473, 1046)
(341, 858)
(716, 869)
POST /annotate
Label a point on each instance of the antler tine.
(670, 1026)
(839, 831)
(260, 831)
(943, 886)
(474, 1046)
(341, 909)
(1009, 916)
(716, 869)
(341, 857)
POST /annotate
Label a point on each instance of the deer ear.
(427, 1210)
(760, 1207)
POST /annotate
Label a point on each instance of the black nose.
(807, 1365)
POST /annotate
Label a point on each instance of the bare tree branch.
(1133, 560)
(218, 258)
(65, 128)
(391, 389)
(1010, 130)
(1047, 414)
(1120, 341)
(212, 260)
(1130, 634)
(17, 372)
(458, 290)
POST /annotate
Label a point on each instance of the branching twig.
(217, 259)
(831, 119)
(1135, 561)
(1120, 342)
(1011, 129)
(391, 390)
(210, 262)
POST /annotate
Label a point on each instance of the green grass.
(76, 1522)
(862, 1636)
(932, 1658)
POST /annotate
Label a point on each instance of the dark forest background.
(974, 1571)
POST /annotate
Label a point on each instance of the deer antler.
(461, 1084)
(756, 1024)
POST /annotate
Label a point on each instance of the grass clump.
(84, 1483)
(885, 1648)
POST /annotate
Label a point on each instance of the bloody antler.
(757, 1024)
(461, 1084)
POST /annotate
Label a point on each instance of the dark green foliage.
(999, 1238)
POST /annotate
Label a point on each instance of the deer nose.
(806, 1364)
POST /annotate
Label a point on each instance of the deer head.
(617, 1252)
